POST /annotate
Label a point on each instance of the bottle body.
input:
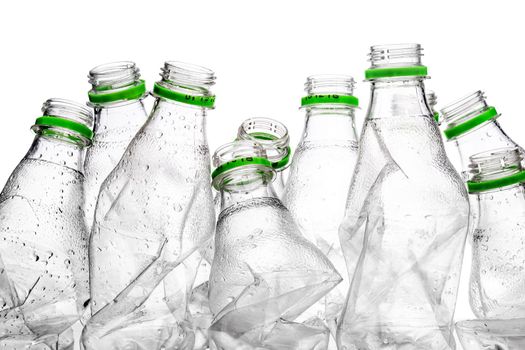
(44, 285)
(406, 221)
(115, 127)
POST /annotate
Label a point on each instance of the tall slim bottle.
(116, 96)
(406, 217)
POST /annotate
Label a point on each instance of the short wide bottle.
(44, 287)
(264, 273)
(406, 217)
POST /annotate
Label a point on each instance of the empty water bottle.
(320, 176)
(116, 97)
(264, 273)
(154, 211)
(471, 124)
(44, 286)
(497, 282)
(406, 217)
(492, 334)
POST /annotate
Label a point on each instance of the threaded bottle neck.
(65, 120)
(189, 77)
(329, 84)
(271, 134)
(395, 55)
(241, 166)
(464, 109)
(114, 75)
(495, 164)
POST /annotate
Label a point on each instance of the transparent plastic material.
(273, 136)
(264, 273)
(497, 282)
(406, 222)
(116, 123)
(492, 334)
(154, 212)
(432, 102)
(319, 180)
(484, 137)
(44, 288)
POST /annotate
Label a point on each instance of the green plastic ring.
(330, 99)
(474, 187)
(376, 73)
(202, 101)
(470, 124)
(49, 120)
(132, 93)
(436, 117)
(240, 162)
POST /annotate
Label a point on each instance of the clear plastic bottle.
(116, 96)
(471, 124)
(497, 282)
(154, 211)
(406, 218)
(320, 176)
(264, 273)
(44, 288)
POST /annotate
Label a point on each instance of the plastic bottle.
(116, 96)
(264, 273)
(471, 124)
(320, 177)
(154, 211)
(44, 288)
(406, 217)
(497, 282)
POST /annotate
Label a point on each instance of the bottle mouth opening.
(114, 75)
(66, 120)
(495, 164)
(244, 158)
(395, 55)
(470, 105)
(187, 75)
(270, 133)
(329, 84)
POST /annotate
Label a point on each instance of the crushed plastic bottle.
(44, 285)
(497, 281)
(471, 125)
(492, 334)
(116, 96)
(154, 211)
(320, 177)
(264, 272)
(406, 217)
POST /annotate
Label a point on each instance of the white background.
(261, 53)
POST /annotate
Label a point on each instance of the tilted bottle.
(273, 136)
(497, 281)
(264, 272)
(116, 96)
(471, 124)
(406, 217)
(320, 176)
(154, 211)
(44, 288)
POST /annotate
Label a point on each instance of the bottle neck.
(486, 137)
(179, 123)
(234, 195)
(109, 119)
(60, 152)
(398, 98)
(325, 124)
